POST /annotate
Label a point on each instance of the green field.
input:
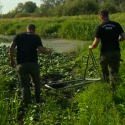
(93, 104)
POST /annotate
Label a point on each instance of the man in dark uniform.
(108, 32)
(27, 44)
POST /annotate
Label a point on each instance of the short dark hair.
(104, 13)
(31, 27)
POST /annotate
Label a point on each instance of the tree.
(89, 7)
(43, 10)
(71, 7)
(49, 2)
(53, 2)
(122, 7)
(19, 8)
(57, 11)
(30, 7)
(110, 7)
(60, 2)
(37, 10)
(117, 2)
(10, 14)
(79, 7)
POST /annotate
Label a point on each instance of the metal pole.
(86, 66)
(94, 62)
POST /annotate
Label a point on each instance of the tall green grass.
(9, 104)
(97, 106)
(81, 30)
(74, 27)
(9, 110)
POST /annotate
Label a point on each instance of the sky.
(8, 5)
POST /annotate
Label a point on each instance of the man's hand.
(43, 50)
(49, 51)
(95, 43)
(12, 63)
(122, 37)
(90, 47)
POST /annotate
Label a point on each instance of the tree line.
(49, 8)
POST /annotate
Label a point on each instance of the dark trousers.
(110, 63)
(24, 72)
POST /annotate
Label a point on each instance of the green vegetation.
(58, 8)
(74, 27)
(93, 104)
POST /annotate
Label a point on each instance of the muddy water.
(62, 45)
(58, 45)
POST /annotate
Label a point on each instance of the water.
(6, 44)
(59, 45)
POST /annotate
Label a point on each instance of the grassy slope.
(98, 105)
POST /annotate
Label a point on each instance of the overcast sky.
(9, 5)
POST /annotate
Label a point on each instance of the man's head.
(103, 14)
(31, 28)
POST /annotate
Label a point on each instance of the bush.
(11, 31)
(18, 15)
(89, 7)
